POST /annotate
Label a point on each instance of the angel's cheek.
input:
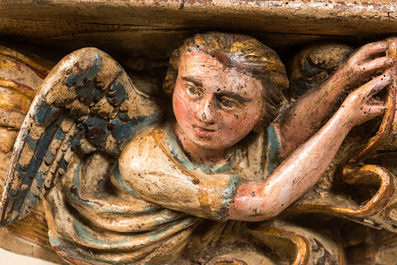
(238, 125)
(181, 108)
(233, 129)
(185, 109)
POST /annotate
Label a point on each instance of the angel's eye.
(228, 103)
(193, 91)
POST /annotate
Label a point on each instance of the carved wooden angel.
(124, 184)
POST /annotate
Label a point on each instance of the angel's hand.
(369, 60)
(361, 106)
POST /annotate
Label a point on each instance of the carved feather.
(87, 103)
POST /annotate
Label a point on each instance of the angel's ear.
(170, 80)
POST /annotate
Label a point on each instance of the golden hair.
(244, 53)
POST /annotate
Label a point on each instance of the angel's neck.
(199, 154)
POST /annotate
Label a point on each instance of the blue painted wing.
(87, 103)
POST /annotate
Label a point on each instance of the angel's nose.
(207, 111)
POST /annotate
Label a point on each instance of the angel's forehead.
(202, 63)
(205, 67)
(226, 59)
(199, 62)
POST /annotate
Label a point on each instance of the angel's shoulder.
(145, 150)
(148, 139)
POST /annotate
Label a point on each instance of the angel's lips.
(203, 132)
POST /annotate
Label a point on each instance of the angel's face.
(215, 106)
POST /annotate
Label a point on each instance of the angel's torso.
(157, 200)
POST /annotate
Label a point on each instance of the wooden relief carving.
(233, 162)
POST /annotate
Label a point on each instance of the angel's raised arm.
(308, 114)
(305, 165)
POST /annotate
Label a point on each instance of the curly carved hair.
(244, 53)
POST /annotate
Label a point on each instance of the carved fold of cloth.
(157, 207)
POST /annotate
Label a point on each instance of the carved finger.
(371, 50)
(377, 84)
(376, 64)
(376, 108)
(373, 110)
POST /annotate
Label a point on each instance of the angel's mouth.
(203, 131)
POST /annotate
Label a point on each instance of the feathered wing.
(87, 103)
